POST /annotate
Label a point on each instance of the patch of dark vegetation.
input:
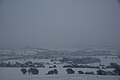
(54, 66)
(116, 70)
(54, 71)
(80, 72)
(70, 71)
(26, 64)
(33, 71)
(80, 66)
(101, 72)
(23, 70)
(92, 73)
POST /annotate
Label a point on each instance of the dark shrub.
(119, 56)
(54, 66)
(50, 72)
(80, 72)
(2, 64)
(79, 66)
(24, 71)
(90, 73)
(114, 65)
(101, 72)
(31, 65)
(50, 67)
(117, 71)
(33, 71)
(55, 71)
(70, 71)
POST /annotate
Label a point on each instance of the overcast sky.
(59, 23)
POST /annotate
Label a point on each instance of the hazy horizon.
(59, 23)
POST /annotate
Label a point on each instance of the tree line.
(26, 64)
(116, 71)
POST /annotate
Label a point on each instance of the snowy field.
(15, 74)
(7, 73)
(105, 60)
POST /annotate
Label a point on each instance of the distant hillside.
(36, 52)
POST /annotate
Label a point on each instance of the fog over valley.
(64, 23)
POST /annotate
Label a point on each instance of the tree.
(33, 71)
(80, 72)
(101, 72)
(70, 71)
(50, 72)
(24, 71)
(117, 71)
(90, 73)
(114, 65)
(55, 71)
(54, 66)
(117, 68)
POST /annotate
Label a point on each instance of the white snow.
(15, 74)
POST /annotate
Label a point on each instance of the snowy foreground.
(36, 55)
(15, 74)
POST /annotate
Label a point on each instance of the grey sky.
(59, 23)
